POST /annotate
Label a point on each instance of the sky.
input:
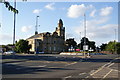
(101, 20)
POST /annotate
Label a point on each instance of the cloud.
(75, 11)
(26, 28)
(5, 37)
(106, 11)
(92, 14)
(50, 6)
(37, 11)
(97, 29)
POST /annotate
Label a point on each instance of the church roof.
(38, 35)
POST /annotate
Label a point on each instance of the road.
(60, 66)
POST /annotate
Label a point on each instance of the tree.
(70, 42)
(6, 48)
(103, 47)
(10, 8)
(85, 41)
(92, 45)
(111, 46)
(22, 46)
(118, 47)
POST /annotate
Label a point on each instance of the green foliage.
(118, 47)
(71, 42)
(6, 48)
(103, 47)
(22, 46)
(10, 8)
(113, 46)
(91, 44)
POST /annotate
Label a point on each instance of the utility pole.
(84, 29)
(80, 40)
(85, 46)
(36, 32)
(115, 42)
(14, 23)
(84, 35)
(14, 29)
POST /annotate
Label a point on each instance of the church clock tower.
(60, 29)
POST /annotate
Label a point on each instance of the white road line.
(42, 66)
(92, 71)
(39, 66)
(108, 73)
(71, 63)
(87, 77)
(82, 73)
(96, 71)
(110, 65)
(104, 66)
(68, 77)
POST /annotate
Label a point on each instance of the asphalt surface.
(60, 66)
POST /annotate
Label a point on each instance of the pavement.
(60, 67)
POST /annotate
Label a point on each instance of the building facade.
(49, 42)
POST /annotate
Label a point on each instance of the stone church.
(49, 42)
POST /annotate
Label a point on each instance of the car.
(10, 52)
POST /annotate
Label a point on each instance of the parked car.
(9, 52)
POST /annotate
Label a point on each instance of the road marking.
(71, 64)
(39, 66)
(96, 71)
(104, 66)
(110, 65)
(116, 70)
(13, 63)
(108, 73)
(42, 66)
(68, 77)
(82, 73)
(87, 77)
(92, 71)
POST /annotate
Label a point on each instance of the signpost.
(85, 47)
